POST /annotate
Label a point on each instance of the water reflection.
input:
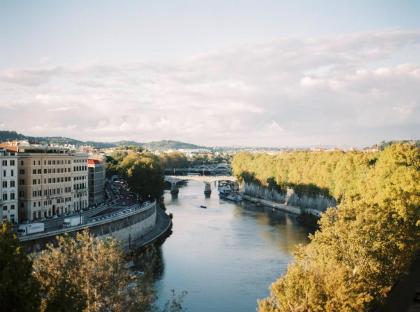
(225, 256)
(150, 262)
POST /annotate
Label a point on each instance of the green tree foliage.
(142, 170)
(365, 244)
(18, 289)
(174, 160)
(88, 274)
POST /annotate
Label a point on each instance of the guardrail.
(112, 217)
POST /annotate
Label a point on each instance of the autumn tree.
(365, 244)
(18, 289)
(88, 274)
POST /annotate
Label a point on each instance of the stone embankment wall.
(318, 203)
(124, 227)
(129, 230)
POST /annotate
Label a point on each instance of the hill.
(156, 145)
(11, 135)
(168, 144)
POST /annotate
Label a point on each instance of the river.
(226, 255)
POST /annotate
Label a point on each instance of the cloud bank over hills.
(354, 89)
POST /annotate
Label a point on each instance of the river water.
(226, 255)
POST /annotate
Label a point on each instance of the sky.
(216, 73)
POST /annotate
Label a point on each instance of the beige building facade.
(52, 181)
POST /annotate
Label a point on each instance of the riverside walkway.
(283, 207)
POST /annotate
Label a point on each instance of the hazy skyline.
(266, 73)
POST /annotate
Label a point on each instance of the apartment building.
(8, 186)
(51, 180)
(80, 181)
(96, 168)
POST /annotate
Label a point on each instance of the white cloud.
(342, 90)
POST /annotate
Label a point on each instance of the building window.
(4, 184)
(12, 207)
(21, 162)
(12, 183)
(5, 207)
(5, 196)
(12, 196)
(34, 171)
(12, 172)
(4, 162)
(12, 162)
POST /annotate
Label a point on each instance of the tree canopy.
(365, 244)
(88, 274)
(142, 170)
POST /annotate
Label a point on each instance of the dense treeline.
(142, 170)
(365, 244)
(170, 160)
(308, 173)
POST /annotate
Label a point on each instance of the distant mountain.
(168, 144)
(54, 140)
(157, 145)
(10, 136)
(13, 135)
(128, 143)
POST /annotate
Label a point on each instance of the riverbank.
(283, 207)
(161, 230)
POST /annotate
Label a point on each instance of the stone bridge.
(207, 180)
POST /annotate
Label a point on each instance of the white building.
(8, 186)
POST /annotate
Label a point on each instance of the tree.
(18, 289)
(88, 274)
(142, 170)
(144, 175)
(365, 244)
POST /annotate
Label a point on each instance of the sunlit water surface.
(226, 255)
